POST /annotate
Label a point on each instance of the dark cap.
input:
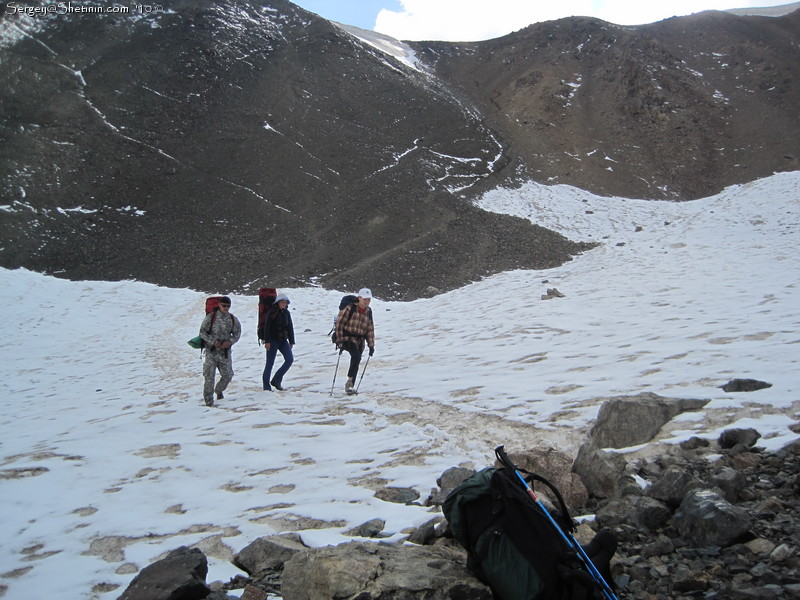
(225, 300)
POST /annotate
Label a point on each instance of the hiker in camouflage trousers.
(220, 330)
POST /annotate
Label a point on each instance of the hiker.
(220, 330)
(279, 336)
(354, 326)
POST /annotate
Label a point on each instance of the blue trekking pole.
(572, 544)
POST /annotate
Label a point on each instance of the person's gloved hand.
(371, 350)
(217, 344)
(226, 344)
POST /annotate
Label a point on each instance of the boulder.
(371, 529)
(672, 486)
(552, 293)
(372, 571)
(640, 511)
(268, 553)
(425, 533)
(448, 481)
(707, 519)
(181, 575)
(599, 471)
(397, 495)
(632, 420)
(745, 385)
(651, 513)
(731, 438)
(730, 481)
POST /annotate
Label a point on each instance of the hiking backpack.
(266, 298)
(348, 300)
(511, 544)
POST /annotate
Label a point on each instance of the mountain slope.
(223, 145)
(226, 145)
(674, 110)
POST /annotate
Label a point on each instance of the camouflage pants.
(216, 360)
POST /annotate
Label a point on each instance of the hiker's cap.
(282, 296)
(364, 293)
(225, 300)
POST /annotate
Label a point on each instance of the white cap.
(364, 293)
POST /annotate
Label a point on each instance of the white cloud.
(471, 20)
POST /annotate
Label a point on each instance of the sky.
(109, 458)
(473, 20)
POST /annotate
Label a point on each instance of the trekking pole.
(362, 374)
(336, 371)
(608, 593)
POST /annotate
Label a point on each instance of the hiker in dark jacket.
(354, 327)
(279, 333)
(220, 330)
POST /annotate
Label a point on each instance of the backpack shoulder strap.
(566, 520)
(350, 310)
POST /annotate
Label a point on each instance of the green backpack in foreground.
(511, 544)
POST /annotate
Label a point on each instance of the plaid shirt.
(352, 326)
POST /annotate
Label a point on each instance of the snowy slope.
(108, 457)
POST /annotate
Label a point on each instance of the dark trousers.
(355, 350)
(285, 349)
(601, 550)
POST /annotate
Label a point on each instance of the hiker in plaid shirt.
(354, 329)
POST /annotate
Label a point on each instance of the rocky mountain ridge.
(226, 145)
(677, 109)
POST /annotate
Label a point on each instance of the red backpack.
(266, 298)
(212, 303)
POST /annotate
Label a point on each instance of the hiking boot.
(220, 396)
(209, 401)
(348, 387)
(276, 385)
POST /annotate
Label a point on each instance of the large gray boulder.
(706, 519)
(268, 553)
(632, 420)
(181, 575)
(372, 571)
(601, 472)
